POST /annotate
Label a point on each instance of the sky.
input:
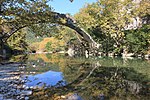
(65, 6)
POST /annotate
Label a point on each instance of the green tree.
(137, 40)
(17, 14)
(107, 20)
(17, 41)
(48, 46)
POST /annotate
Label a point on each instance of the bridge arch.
(54, 18)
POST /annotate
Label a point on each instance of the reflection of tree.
(94, 81)
(55, 62)
(105, 77)
(114, 82)
(18, 58)
(39, 66)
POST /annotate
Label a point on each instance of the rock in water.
(74, 97)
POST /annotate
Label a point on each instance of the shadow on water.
(89, 79)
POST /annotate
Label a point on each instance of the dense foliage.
(17, 41)
(17, 14)
(138, 41)
(107, 21)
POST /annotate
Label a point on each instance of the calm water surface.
(59, 77)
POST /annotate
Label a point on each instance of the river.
(59, 77)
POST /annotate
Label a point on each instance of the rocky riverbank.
(11, 84)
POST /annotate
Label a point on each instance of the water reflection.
(88, 79)
(47, 79)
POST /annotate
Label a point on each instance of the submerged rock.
(73, 97)
(26, 92)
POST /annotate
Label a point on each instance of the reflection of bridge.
(53, 58)
(94, 79)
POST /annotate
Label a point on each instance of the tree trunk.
(2, 48)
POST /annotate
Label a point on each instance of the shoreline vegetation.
(129, 55)
(73, 54)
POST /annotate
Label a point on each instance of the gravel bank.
(11, 85)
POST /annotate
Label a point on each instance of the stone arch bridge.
(85, 39)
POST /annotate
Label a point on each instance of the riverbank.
(11, 85)
(72, 53)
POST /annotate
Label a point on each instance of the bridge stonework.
(87, 44)
(83, 49)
